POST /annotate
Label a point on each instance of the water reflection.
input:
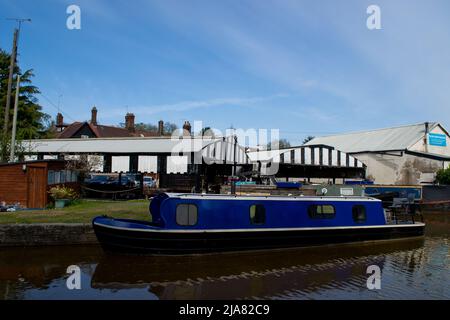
(417, 268)
(246, 275)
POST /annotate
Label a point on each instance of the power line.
(57, 107)
(288, 131)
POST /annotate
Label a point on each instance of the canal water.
(410, 269)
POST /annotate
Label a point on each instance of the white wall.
(30, 158)
(148, 164)
(421, 147)
(120, 163)
(400, 170)
(50, 157)
(177, 164)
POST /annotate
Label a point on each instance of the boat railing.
(404, 210)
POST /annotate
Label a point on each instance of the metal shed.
(314, 161)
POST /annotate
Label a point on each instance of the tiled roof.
(70, 130)
(109, 131)
(102, 131)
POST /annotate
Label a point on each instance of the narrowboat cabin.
(194, 223)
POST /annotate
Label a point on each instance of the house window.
(257, 214)
(325, 211)
(359, 213)
(51, 177)
(57, 179)
(186, 214)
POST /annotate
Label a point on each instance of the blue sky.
(304, 67)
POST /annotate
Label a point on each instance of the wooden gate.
(37, 182)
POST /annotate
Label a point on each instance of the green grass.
(82, 211)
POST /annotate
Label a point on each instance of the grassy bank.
(81, 212)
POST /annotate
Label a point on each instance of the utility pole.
(12, 65)
(10, 77)
(14, 128)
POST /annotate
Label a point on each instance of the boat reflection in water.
(301, 273)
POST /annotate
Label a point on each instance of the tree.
(83, 164)
(282, 144)
(308, 139)
(146, 127)
(443, 176)
(207, 132)
(32, 122)
(169, 127)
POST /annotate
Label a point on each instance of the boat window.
(359, 213)
(186, 214)
(325, 211)
(257, 214)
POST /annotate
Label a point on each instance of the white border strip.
(270, 198)
(417, 224)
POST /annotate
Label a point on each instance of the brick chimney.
(160, 127)
(59, 120)
(94, 116)
(129, 122)
(186, 128)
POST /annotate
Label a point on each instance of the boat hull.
(148, 241)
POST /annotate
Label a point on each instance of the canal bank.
(46, 234)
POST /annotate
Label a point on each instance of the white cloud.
(190, 105)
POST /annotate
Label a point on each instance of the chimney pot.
(187, 128)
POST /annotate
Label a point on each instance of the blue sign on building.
(437, 139)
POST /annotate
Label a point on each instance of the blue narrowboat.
(196, 223)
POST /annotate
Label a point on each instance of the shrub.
(63, 192)
(443, 176)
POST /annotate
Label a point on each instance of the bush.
(443, 176)
(62, 192)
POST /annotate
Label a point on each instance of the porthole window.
(186, 214)
(257, 214)
(325, 211)
(359, 213)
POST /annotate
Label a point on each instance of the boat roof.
(271, 197)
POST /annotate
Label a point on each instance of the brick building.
(92, 129)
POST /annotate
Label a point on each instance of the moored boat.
(194, 223)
